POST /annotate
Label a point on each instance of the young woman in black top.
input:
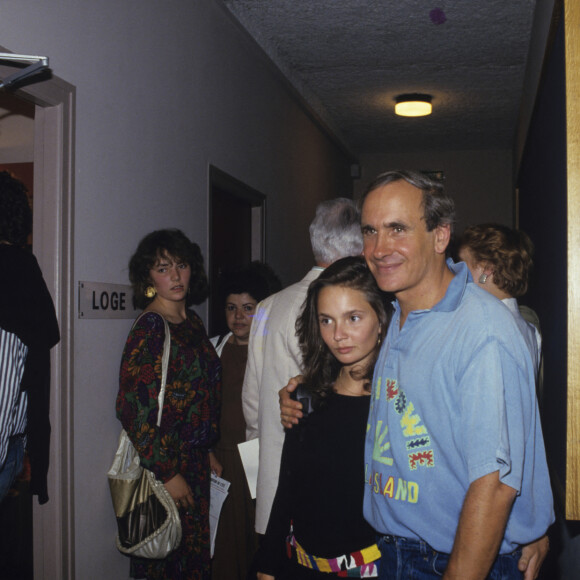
(317, 513)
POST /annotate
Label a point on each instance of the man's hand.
(290, 412)
(265, 576)
(533, 556)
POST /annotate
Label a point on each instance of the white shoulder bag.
(148, 521)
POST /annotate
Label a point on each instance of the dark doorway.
(236, 234)
(16, 538)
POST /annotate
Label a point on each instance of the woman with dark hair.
(167, 276)
(236, 541)
(317, 512)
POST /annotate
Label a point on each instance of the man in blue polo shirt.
(455, 461)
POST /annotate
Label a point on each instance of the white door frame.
(53, 522)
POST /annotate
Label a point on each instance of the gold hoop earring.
(150, 292)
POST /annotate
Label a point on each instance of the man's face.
(402, 255)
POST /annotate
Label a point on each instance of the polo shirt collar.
(455, 290)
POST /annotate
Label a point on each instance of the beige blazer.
(273, 358)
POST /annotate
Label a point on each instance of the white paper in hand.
(218, 493)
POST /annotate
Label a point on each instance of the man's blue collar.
(455, 290)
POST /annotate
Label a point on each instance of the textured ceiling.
(351, 58)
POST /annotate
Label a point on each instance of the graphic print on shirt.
(418, 440)
(417, 444)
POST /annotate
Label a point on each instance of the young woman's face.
(348, 324)
(240, 309)
(170, 278)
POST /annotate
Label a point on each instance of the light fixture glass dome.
(413, 105)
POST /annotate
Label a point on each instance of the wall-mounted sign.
(99, 300)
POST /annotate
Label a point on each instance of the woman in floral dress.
(167, 276)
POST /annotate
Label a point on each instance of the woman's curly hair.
(508, 252)
(15, 212)
(173, 244)
(321, 368)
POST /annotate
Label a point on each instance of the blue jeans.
(12, 465)
(405, 559)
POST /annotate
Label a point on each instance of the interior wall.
(544, 14)
(480, 182)
(162, 90)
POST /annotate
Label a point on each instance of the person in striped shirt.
(28, 330)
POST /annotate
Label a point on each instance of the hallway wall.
(480, 182)
(163, 89)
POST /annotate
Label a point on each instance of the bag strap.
(164, 363)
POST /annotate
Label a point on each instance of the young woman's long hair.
(321, 368)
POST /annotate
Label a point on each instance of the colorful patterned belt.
(361, 564)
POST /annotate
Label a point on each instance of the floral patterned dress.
(189, 426)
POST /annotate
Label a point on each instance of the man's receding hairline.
(370, 192)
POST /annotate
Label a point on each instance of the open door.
(236, 234)
(53, 102)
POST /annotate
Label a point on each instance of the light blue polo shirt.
(453, 400)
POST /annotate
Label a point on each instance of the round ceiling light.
(413, 105)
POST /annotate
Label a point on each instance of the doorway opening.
(53, 102)
(237, 236)
(16, 521)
